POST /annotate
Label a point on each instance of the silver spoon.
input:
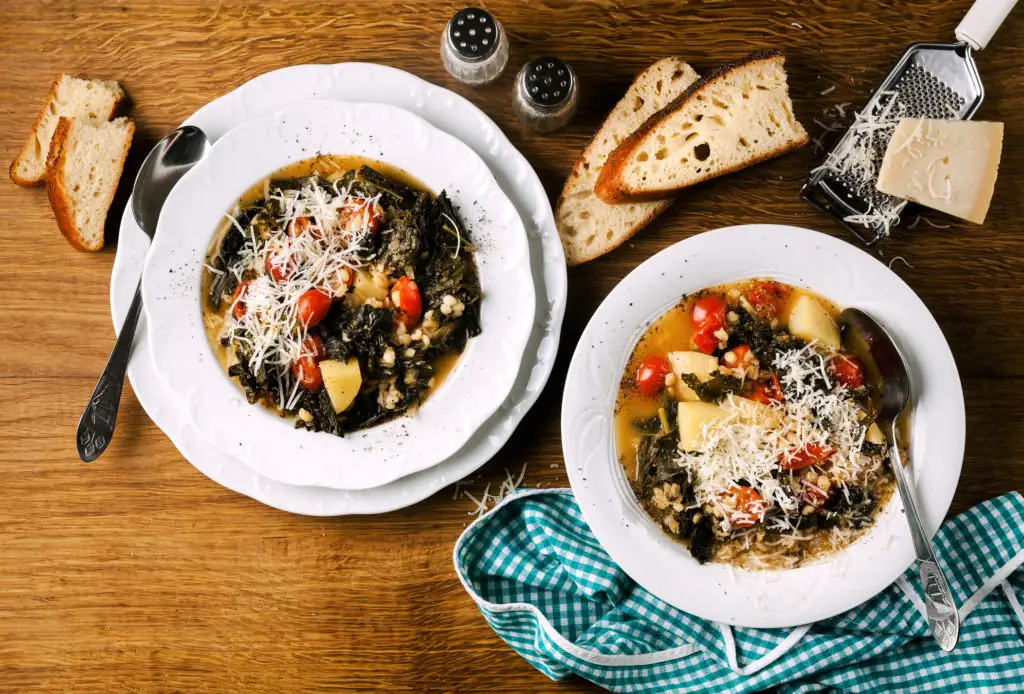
(172, 157)
(942, 611)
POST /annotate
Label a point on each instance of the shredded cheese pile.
(859, 154)
(324, 256)
(488, 500)
(749, 447)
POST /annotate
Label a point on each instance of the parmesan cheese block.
(947, 165)
(697, 363)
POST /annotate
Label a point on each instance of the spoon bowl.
(941, 609)
(163, 167)
(891, 365)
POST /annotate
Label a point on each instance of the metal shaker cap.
(473, 34)
(547, 81)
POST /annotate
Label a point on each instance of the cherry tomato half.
(847, 369)
(705, 339)
(811, 454)
(307, 369)
(767, 297)
(238, 299)
(650, 376)
(405, 297)
(748, 504)
(709, 311)
(768, 392)
(307, 372)
(312, 307)
(314, 346)
(278, 267)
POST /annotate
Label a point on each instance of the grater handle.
(982, 20)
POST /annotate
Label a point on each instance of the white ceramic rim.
(449, 111)
(763, 599)
(484, 373)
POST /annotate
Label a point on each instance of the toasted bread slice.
(589, 227)
(70, 97)
(82, 171)
(739, 115)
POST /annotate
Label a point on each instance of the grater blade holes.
(924, 95)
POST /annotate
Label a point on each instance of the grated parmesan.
(488, 501)
(857, 158)
(749, 448)
(270, 330)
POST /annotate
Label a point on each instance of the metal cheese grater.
(931, 80)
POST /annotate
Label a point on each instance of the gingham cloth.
(547, 588)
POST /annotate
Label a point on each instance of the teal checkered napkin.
(544, 584)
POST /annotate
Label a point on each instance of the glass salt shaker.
(546, 94)
(474, 47)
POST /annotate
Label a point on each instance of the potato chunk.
(366, 288)
(874, 435)
(342, 379)
(697, 363)
(693, 417)
(810, 321)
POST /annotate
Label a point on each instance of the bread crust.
(626, 236)
(56, 190)
(30, 182)
(30, 142)
(578, 171)
(609, 186)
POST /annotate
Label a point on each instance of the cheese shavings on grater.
(931, 80)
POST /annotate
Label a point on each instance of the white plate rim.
(449, 111)
(714, 591)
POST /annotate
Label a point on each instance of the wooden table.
(136, 572)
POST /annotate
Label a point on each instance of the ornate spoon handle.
(96, 427)
(943, 616)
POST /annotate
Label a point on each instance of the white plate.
(837, 271)
(172, 280)
(362, 82)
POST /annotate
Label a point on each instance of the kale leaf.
(395, 190)
(764, 340)
(702, 540)
(715, 388)
(401, 249)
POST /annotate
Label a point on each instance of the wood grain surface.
(137, 573)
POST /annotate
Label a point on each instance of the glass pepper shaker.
(474, 47)
(546, 94)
